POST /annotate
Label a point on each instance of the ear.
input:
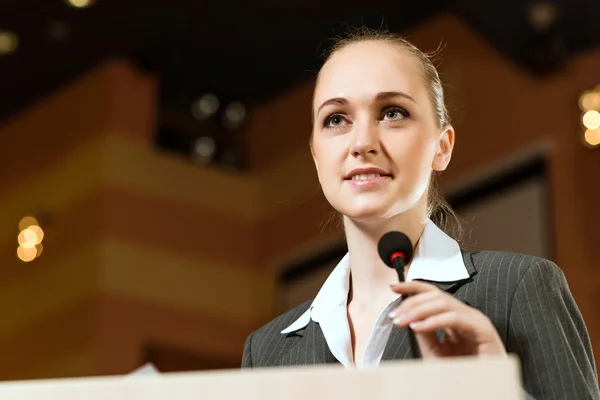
(444, 152)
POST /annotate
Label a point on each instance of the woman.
(380, 134)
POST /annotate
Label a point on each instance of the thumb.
(429, 343)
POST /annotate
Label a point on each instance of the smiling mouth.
(365, 177)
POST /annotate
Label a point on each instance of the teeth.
(365, 176)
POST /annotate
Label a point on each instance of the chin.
(374, 209)
(368, 212)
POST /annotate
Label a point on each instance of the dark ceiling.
(249, 51)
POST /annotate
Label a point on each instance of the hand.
(468, 332)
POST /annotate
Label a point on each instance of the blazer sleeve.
(247, 355)
(546, 330)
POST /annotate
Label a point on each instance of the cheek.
(414, 152)
(323, 162)
(413, 160)
(327, 155)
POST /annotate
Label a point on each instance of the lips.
(363, 177)
(363, 174)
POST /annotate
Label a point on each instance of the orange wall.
(135, 247)
(136, 250)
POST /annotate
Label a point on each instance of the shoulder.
(512, 267)
(501, 275)
(507, 281)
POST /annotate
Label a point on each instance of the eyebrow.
(378, 97)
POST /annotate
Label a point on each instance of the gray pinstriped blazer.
(526, 298)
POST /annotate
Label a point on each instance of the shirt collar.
(438, 258)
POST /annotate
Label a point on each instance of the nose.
(365, 142)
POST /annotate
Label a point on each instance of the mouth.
(364, 177)
(366, 174)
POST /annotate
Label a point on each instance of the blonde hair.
(438, 209)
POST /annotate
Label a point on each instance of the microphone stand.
(398, 264)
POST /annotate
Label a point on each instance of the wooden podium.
(459, 378)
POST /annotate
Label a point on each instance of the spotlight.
(542, 15)
(26, 222)
(590, 100)
(592, 137)
(8, 43)
(205, 107)
(591, 119)
(80, 3)
(26, 254)
(30, 239)
(589, 103)
(234, 115)
(204, 150)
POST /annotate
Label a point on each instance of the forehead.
(366, 68)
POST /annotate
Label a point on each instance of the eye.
(333, 121)
(395, 113)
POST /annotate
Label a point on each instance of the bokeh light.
(592, 137)
(589, 101)
(591, 119)
(27, 222)
(8, 42)
(80, 3)
(30, 239)
(26, 254)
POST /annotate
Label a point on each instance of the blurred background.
(158, 200)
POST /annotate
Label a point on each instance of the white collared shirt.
(438, 258)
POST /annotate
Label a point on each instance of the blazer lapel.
(307, 347)
(398, 344)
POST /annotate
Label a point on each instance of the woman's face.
(375, 138)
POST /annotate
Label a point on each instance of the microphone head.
(395, 244)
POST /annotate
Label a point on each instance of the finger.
(461, 327)
(409, 303)
(413, 287)
(421, 298)
(451, 335)
(422, 311)
(447, 320)
(428, 342)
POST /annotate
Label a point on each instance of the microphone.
(396, 251)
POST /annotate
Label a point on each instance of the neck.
(370, 277)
